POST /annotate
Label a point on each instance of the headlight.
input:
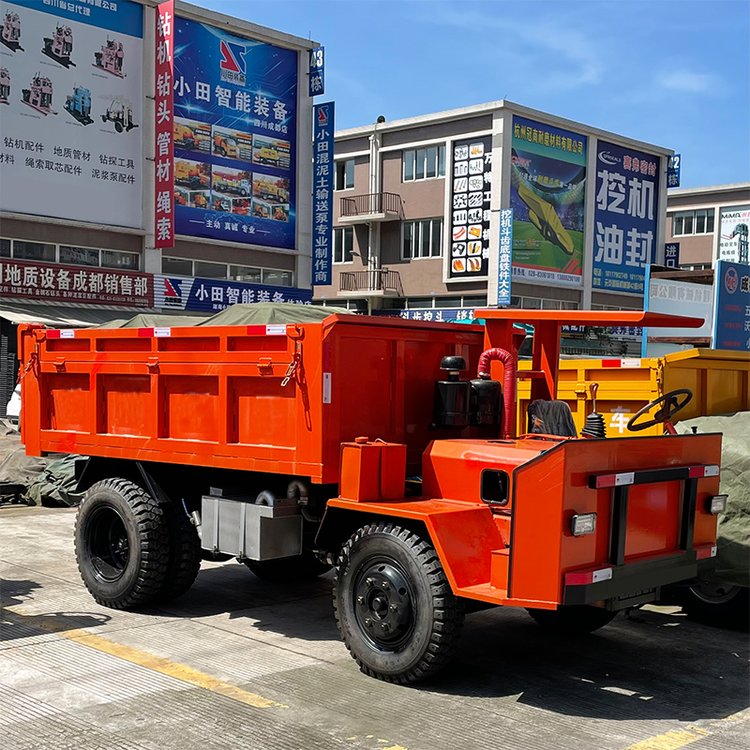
(716, 504)
(584, 523)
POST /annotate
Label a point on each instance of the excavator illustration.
(542, 213)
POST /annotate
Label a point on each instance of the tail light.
(582, 524)
(716, 504)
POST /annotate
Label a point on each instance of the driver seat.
(551, 418)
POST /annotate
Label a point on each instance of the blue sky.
(674, 73)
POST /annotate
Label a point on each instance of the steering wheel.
(670, 403)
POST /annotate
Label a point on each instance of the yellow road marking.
(670, 740)
(178, 671)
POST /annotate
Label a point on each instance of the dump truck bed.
(220, 396)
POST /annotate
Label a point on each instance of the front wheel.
(393, 604)
(573, 620)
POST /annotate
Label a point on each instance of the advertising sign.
(317, 71)
(504, 257)
(71, 78)
(432, 314)
(235, 130)
(732, 311)
(323, 173)
(733, 238)
(672, 254)
(627, 194)
(470, 209)
(547, 194)
(673, 171)
(211, 295)
(51, 282)
(163, 126)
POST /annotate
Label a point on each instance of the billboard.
(504, 258)
(235, 126)
(733, 234)
(164, 126)
(53, 282)
(211, 295)
(322, 217)
(71, 80)
(547, 195)
(732, 309)
(625, 217)
(470, 209)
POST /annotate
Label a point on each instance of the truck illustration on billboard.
(232, 182)
(271, 152)
(194, 175)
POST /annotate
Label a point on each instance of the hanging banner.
(734, 234)
(625, 219)
(211, 295)
(53, 282)
(322, 232)
(71, 93)
(548, 190)
(504, 257)
(164, 126)
(317, 72)
(732, 306)
(470, 209)
(235, 131)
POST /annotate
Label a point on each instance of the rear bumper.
(637, 583)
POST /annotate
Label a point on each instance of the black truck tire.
(393, 604)
(121, 544)
(304, 567)
(721, 605)
(573, 620)
(184, 554)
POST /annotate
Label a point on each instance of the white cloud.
(686, 80)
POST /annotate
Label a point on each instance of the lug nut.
(394, 608)
(370, 581)
(384, 586)
(360, 600)
(368, 622)
(385, 626)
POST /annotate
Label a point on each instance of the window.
(494, 489)
(245, 273)
(34, 251)
(345, 174)
(117, 259)
(176, 266)
(343, 245)
(422, 239)
(79, 256)
(424, 163)
(700, 221)
(210, 270)
(277, 278)
(4, 248)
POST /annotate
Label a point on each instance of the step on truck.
(383, 448)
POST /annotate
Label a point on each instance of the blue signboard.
(210, 295)
(117, 15)
(625, 219)
(317, 71)
(235, 129)
(673, 171)
(732, 306)
(504, 257)
(672, 254)
(323, 169)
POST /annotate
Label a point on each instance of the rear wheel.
(121, 544)
(184, 553)
(394, 607)
(573, 620)
(717, 603)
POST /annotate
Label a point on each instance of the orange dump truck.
(361, 443)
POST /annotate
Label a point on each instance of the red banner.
(52, 282)
(164, 109)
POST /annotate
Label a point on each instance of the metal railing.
(371, 203)
(377, 280)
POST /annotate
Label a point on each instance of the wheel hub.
(108, 544)
(383, 604)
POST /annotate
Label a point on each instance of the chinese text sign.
(164, 124)
(323, 168)
(505, 257)
(732, 309)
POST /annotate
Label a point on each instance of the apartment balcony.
(362, 209)
(367, 283)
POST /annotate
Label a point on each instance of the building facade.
(709, 224)
(413, 231)
(82, 159)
